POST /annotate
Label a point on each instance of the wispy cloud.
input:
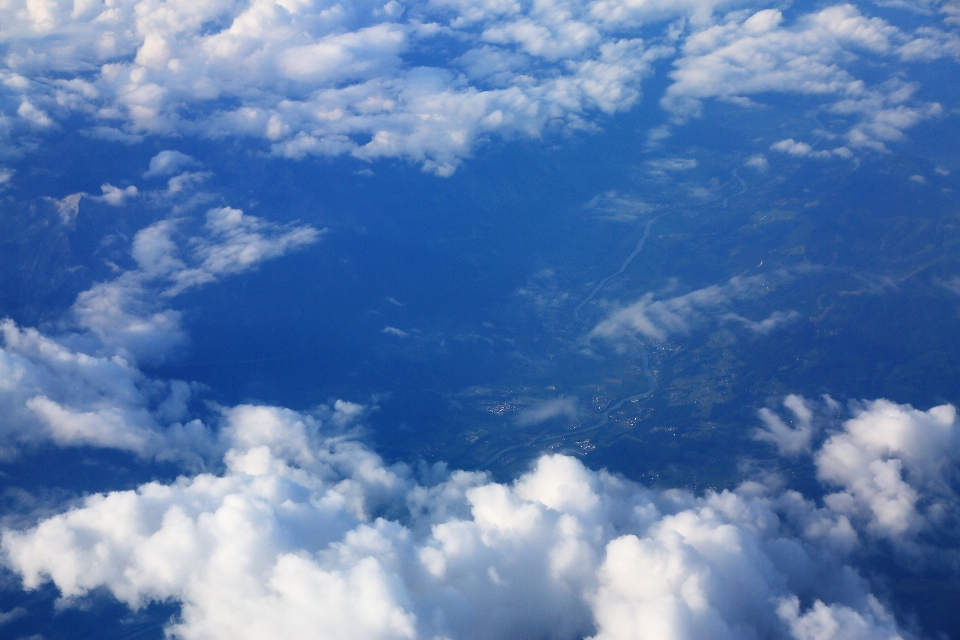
(663, 166)
(82, 386)
(547, 410)
(657, 319)
(804, 150)
(765, 326)
(612, 205)
(126, 313)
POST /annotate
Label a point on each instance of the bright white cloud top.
(427, 81)
(307, 533)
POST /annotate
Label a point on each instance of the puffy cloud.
(636, 13)
(365, 80)
(49, 392)
(837, 621)
(757, 161)
(186, 180)
(167, 163)
(83, 387)
(36, 117)
(788, 440)
(115, 195)
(318, 79)
(768, 324)
(753, 55)
(892, 465)
(309, 533)
(933, 44)
(889, 466)
(612, 205)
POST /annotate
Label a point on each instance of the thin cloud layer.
(548, 410)
(429, 80)
(765, 326)
(658, 319)
(618, 207)
(310, 534)
(50, 393)
(125, 313)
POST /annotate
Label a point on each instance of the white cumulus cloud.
(892, 465)
(168, 162)
(50, 393)
(747, 56)
(309, 533)
(374, 81)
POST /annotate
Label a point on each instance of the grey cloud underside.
(334, 79)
